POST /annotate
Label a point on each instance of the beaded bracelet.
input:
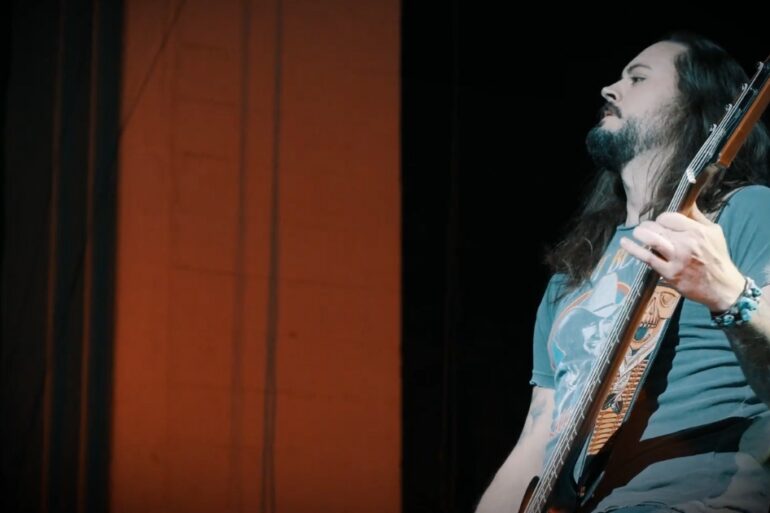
(742, 309)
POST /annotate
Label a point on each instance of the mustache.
(609, 108)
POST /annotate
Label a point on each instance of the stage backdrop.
(257, 297)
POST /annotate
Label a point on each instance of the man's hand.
(691, 254)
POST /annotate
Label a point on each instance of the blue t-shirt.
(706, 436)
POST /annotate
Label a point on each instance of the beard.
(613, 150)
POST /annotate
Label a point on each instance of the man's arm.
(507, 489)
(751, 344)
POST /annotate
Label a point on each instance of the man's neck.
(638, 176)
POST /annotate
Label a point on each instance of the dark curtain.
(61, 127)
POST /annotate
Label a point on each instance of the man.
(699, 440)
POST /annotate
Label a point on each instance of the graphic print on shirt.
(581, 328)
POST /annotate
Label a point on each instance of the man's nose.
(610, 93)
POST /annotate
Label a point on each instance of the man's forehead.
(634, 65)
(659, 56)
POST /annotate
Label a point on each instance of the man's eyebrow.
(631, 68)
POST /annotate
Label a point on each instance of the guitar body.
(549, 509)
(565, 497)
(528, 494)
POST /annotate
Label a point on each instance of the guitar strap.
(627, 383)
(641, 352)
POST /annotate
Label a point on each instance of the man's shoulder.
(748, 201)
(750, 193)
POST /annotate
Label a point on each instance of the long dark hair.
(708, 79)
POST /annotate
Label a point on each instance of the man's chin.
(607, 148)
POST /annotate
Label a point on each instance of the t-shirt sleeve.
(745, 221)
(542, 368)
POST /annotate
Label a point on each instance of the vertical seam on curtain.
(87, 269)
(452, 298)
(52, 267)
(237, 392)
(267, 484)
